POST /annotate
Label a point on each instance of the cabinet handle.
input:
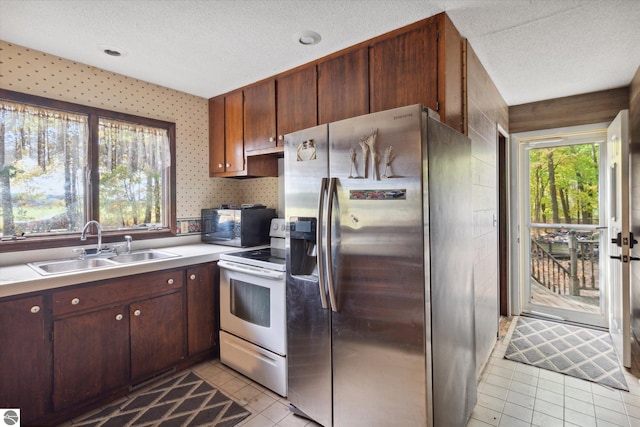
(137, 313)
(228, 165)
(220, 165)
(170, 281)
(75, 301)
(192, 277)
(271, 139)
(35, 309)
(119, 316)
(280, 137)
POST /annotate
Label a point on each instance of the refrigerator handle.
(320, 253)
(332, 293)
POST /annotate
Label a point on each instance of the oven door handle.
(254, 271)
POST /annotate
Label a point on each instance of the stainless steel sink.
(143, 255)
(69, 265)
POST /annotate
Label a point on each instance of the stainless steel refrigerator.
(380, 307)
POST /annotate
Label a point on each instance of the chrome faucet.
(83, 236)
(128, 239)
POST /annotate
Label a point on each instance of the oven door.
(252, 305)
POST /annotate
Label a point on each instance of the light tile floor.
(268, 409)
(512, 394)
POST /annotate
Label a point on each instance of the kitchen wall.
(38, 73)
(486, 109)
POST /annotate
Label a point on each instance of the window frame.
(93, 114)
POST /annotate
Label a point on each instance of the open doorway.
(561, 224)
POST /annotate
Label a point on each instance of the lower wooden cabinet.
(157, 334)
(202, 325)
(25, 357)
(90, 355)
(65, 351)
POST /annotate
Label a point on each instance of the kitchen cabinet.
(343, 86)
(114, 333)
(226, 141)
(404, 69)
(260, 117)
(296, 101)
(90, 355)
(25, 359)
(157, 334)
(202, 301)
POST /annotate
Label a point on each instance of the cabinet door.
(216, 136)
(201, 309)
(233, 131)
(260, 116)
(25, 359)
(343, 87)
(296, 101)
(157, 334)
(90, 355)
(404, 70)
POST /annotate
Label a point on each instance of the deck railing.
(566, 267)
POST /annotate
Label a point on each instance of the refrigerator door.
(378, 327)
(308, 323)
(448, 198)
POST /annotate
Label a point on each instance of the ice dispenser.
(302, 232)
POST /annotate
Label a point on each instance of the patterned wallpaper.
(37, 73)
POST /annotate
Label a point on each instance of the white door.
(618, 214)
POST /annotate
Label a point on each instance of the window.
(65, 164)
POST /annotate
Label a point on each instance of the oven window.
(251, 303)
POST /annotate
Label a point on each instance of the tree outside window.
(60, 168)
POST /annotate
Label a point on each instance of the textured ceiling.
(533, 49)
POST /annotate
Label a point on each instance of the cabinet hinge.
(438, 35)
(437, 105)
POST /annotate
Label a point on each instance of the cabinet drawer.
(121, 290)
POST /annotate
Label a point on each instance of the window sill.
(67, 240)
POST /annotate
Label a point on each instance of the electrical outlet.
(184, 227)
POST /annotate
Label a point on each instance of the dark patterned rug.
(182, 400)
(583, 353)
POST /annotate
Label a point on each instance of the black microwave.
(237, 227)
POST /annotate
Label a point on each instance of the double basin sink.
(72, 265)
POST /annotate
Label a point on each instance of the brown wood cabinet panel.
(234, 132)
(115, 291)
(404, 69)
(25, 359)
(201, 308)
(216, 136)
(157, 334)
(450, 92)
(90, 355)
(296, 101)
(594, 107)
(260, 116)
(343, 86)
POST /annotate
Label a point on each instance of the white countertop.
(21, 279)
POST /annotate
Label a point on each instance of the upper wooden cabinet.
(404, 69)
(234, 132)
(216, 136)
(343, 86)
(296, 101)
(417, 64)
(260, 116)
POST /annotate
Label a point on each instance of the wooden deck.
(589, 303)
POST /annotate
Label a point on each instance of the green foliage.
(575, 170)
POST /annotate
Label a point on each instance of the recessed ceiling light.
(308, 38)
(111, 50)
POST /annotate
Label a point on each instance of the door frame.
(519, 212)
